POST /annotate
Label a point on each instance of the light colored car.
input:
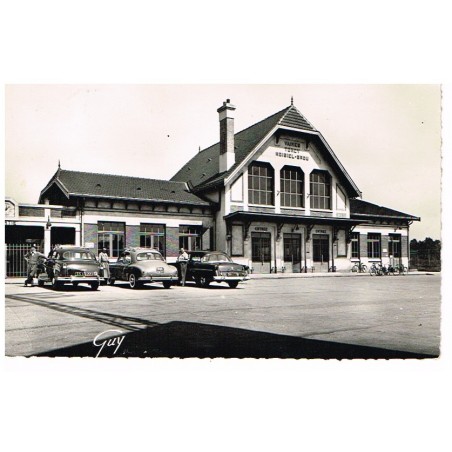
(139, 266)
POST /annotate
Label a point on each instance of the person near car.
(103, 259)
(183, 261)
(32, 258)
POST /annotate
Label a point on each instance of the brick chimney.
(227, 152)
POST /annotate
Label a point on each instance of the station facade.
(274, 196)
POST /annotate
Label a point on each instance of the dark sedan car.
(205, 267)
(71, 265)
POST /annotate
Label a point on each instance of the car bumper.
(78, 279)
(230, 278)
(158, 278)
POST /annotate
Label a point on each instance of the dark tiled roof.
(360, 209)
(111, 186)
(202, 169)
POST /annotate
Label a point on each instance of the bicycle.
(359, 268)
(377, 270)
(401, 269)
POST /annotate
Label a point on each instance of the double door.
(261, 255)
(321, 251)
(292, 253)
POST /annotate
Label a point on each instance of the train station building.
(274, 196)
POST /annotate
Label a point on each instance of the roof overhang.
(292, 219)
(386, 217)
(59, 184)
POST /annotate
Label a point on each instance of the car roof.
(69, 248)
(203, 253)
(141, 250)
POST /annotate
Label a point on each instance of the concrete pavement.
(392, 317)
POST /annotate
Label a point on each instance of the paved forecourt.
(394, 312)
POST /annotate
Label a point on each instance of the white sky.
(388, 137)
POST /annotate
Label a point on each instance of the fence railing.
(16, 266)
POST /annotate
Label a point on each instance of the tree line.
(425, 255)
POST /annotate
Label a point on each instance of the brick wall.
(90, 234)
(404, 240)
(31, 211)
(172, 242)
(132, 236)
(363, 245)
(384, 245)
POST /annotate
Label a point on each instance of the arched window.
(292, 187)
(320, 190)
(260, 184)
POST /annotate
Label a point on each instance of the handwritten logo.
(101, 341)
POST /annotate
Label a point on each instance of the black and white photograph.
(226, 226)
(284, 221)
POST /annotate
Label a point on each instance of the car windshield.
(149, 256)
(216, 258)
(78, 256)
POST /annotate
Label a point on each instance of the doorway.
(62, 236)
(321, 251)
(261, 252)
(292, 253)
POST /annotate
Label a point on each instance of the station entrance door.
(261, 252)
(320, 252)
(292, 253)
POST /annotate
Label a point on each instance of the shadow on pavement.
(195, 340)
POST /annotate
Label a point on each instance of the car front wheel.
(233, 284)
(167, 284)
(94, 285)
(133, 282)
(55, 284)
(204, 282)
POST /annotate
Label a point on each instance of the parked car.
(205, 267)
(71, 265)
(142, 265)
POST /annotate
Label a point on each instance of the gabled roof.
(364, 209)
(202, 170)
(76, 183)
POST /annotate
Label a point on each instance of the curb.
(286, 275)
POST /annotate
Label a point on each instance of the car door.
(126, 262)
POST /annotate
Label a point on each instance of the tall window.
(320, 190)
(260, 184)
(292, 183)
(374, 246)
(111, 237)
(394, 245)
(153, 236)
(355, 245)
(190, 237)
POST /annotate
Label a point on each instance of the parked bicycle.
(400, 269)
(383, 270)
(377, 270)
(359, 268)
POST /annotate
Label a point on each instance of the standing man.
(103, 259)
(183, 260)
(32, 259)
